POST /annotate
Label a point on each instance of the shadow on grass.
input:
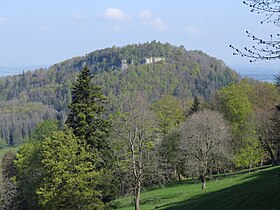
(159, 199)
(245, 171)
(260, 193)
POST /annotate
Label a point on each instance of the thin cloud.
(46, 28)
(150, 20)
(146, 15)
(159, 24)
(78, 16)
(115, 14)
(191, 30)
(3, 19)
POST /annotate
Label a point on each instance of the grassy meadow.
(259, 190)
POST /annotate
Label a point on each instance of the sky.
(45, 32)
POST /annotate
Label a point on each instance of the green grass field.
(259, 190)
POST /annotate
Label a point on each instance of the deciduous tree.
(71, 178)
(206, 141)
(134, 138)
(237, 108)
(29, 166)
(251, 154)
(169, 111)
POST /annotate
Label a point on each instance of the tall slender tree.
(195, 106)
(87, 118)
(134, 138)
(8, 189)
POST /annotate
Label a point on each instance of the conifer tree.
(195, 106)
(86, 116)
(88, 121)
(8, 189)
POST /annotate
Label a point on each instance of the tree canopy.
(71, 177)
(206, 142)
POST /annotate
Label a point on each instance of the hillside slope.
(153, 68)
(255, 191)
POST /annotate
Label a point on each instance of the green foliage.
(44, 130)
(34, 96)
(8, 168)
(29, 174)
(236, 103)
(3, 144)
(171, 156)
(71, 177)
(7, 149)
(8, 190)
(18, 119)
(249, 155)
(169, 111)
(86, 116)
(195, 106)
(250, 108)
(29, 166)
(237, 107)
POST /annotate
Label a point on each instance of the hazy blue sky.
(45, 32)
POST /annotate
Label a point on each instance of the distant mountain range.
(13, 70)
(264, 77)
(260, 72)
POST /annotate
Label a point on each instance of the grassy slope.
(258, 190)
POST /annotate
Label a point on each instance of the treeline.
(48, 91)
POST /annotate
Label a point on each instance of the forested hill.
(154, 68)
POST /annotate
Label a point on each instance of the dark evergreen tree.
(8, 190)
(195, 106)
(87, 117)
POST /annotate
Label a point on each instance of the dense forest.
(35, 96)
(94, 134)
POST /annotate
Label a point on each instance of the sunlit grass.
(258, 190)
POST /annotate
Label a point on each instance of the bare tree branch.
(265, 49)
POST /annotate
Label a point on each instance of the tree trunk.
(203, 182)
(175, 172)
(179, 177)
(250, 166)
(137, 195)
(204, 185)
(269, 150)
(278, 156)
